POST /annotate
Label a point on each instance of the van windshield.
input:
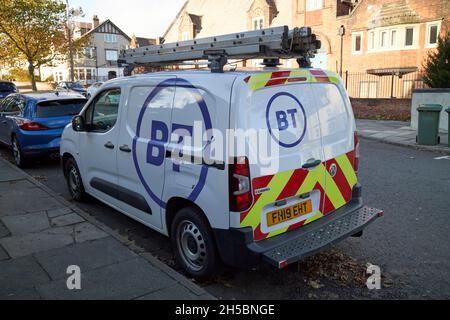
(61, 108)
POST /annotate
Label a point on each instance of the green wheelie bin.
(428, 133)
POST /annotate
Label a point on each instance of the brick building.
(383, 38)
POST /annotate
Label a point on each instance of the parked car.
(93, 89)
(6, 88)
(67, 86)
(32, 124)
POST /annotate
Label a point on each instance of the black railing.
(364, 85)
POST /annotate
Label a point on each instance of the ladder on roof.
(271, 45)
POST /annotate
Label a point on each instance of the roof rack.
(271, 45)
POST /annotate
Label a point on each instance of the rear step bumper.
(237, 248)
(320, 237)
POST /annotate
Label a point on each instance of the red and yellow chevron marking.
(335, 192)
(270, 79)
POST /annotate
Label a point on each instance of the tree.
(34, 31)
(437, 64)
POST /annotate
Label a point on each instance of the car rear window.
(61, 108)
(6, 87)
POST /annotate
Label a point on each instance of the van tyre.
(194, 245)
(19, 158)
(74, 182)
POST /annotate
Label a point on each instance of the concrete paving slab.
(25, 294)
(4, 232)
(3, 254)
(59, 212)
(176, 292)
(28, 223)
(67, 220)
(88, 256)
(20, 274)
(10, 187)
(8, 174)
(20, 246)
(87, 232)
(126, 280)
(27, 204)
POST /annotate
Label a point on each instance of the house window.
(409, 37)
(312, 5)
(372, 40)
(383, 39)
(357, 43)
(110, 38)
(393, 38)
(112, 55)
(433, 30)
(185, 36)
(258, 23)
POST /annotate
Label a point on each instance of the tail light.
(32, 126)
(357, 153)
(239, 185)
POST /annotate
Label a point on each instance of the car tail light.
(32, 126)
(357, 153)
(239, 185)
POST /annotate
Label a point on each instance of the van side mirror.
(78, 124)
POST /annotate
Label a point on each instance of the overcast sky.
(145, 18)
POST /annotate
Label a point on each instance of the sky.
(145, 18)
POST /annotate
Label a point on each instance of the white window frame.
(313, 5)
(354, 36)
(259, 21)
(415, 44)
(384, 45)
(110, 38)
(111, 50)
(372, 41)
(428, 28)
(185, 36)
(393, 45)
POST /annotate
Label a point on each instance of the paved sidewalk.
(41, 235)
(398, 133)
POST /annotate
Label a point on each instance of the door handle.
(125, 148)
(109, 145)
(312, 163)
(4, 122)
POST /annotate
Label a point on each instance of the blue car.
(7, 88)
(32, 124)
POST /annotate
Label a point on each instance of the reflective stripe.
(347, 169)
(276, 186)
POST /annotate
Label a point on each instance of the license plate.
(289, 213)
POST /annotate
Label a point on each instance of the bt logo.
(283, 119)
(286, 119)
(160, 135)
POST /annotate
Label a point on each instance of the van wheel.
(74, 182)
(194, 244)
(19, 158)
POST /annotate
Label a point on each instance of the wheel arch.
(175, 204)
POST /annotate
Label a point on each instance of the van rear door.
(337, 125)
(289, 192)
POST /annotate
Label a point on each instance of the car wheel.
(194, 245)
(19, 158)
(74, 182)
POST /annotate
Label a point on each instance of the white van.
(135, 146)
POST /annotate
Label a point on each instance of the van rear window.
(60, 108)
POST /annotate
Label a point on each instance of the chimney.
(96, 21)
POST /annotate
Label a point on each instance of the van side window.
(104, 111)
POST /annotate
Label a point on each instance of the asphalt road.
(410, 244)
